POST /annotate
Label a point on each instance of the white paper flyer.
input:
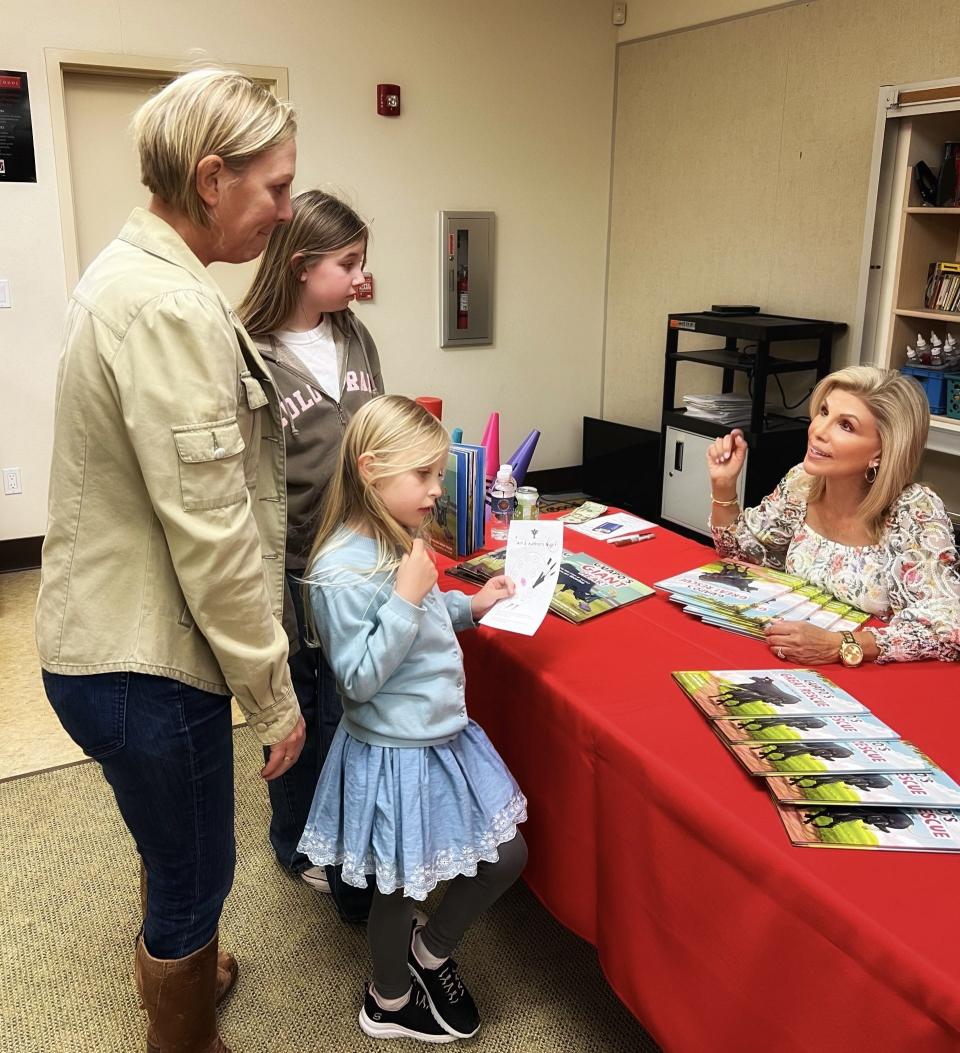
(534, 551)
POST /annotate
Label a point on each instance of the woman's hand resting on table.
(800, 643)
(496, 589)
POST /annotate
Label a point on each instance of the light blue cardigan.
(399, 668)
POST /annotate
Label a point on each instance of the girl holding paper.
(412, 791)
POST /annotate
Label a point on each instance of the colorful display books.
(585, 588)
(839, 776)
(929, 789)
(906, 829)
(738, 693)
(742, 598)
(856, 756)
(826, 727)
(457, 526)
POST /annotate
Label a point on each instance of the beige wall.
(647, 18)
(742, 153)
(506, 107)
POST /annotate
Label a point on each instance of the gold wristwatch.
(851, 653)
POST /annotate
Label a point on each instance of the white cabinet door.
(686, 484)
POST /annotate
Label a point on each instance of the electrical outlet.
(11, 481)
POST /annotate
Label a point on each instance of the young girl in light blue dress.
(412, 791)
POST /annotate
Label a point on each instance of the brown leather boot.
(178, 995)
(227, 968)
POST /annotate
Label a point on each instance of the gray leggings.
(466, 898)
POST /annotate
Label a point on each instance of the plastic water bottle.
(503, 496)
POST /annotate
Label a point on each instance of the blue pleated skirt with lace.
(412, 816)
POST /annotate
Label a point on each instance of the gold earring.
(871, 478)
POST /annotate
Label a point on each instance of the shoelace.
(420, 997)
(450, 981)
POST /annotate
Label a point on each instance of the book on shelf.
(743, 598)
(906, 829)
(942, 292)
(457, 526)
(926, 789)
(856, 756)
(585, 588)
(725, 694)
(835, 727)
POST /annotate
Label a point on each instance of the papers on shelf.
(724, 409)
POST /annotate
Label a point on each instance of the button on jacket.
(167, 518)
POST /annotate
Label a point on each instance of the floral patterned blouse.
(911, 579)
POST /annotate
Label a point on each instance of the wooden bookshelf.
(915, 236)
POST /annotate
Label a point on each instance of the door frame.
(60, 62)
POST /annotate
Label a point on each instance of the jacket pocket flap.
(213, 441)
(256, 396)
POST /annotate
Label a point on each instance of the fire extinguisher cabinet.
(466, 278)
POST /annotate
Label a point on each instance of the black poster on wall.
(17, 161)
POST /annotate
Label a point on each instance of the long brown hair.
(401, 436)
(903, 420)
(321, 224)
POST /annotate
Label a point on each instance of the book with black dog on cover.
(585, 588)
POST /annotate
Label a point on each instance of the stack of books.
(457, 526)
(742, 598)
(585, 588)
(839, 776)
(943, 286)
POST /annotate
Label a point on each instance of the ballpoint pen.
(630, 539)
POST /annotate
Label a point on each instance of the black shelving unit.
(776, 441)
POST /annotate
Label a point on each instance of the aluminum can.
(527, 503)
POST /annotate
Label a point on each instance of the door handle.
(678, 457)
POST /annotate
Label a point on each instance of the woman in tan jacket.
(162, 583)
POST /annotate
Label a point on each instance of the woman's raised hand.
(417, 573)
(725, 457)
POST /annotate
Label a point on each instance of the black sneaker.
(414, 1020)
(451, 1002)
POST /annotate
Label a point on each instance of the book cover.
(442, 528)
(585, 588)
(903, 829)
(825, 726)
(735, 584)
(928, 789)
(724, 693)
(859, 756)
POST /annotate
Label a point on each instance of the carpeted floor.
(68, 889)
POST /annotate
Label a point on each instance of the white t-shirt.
(317, 350)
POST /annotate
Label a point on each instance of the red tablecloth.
(648, 839)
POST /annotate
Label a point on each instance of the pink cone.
(491, 443)
(522, 456)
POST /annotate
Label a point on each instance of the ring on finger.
(780, 654)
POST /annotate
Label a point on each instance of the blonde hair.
(903, 420)
(321, 224)
(401, 436)
(206, 111)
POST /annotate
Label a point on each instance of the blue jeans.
(166, 749)
(291, 794)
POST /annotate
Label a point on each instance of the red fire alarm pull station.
(388, 100)
(365, 291)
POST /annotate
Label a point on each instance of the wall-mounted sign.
(17, 161)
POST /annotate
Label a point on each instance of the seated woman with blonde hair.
(850, 520)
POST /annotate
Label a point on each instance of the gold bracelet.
(724, 504)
